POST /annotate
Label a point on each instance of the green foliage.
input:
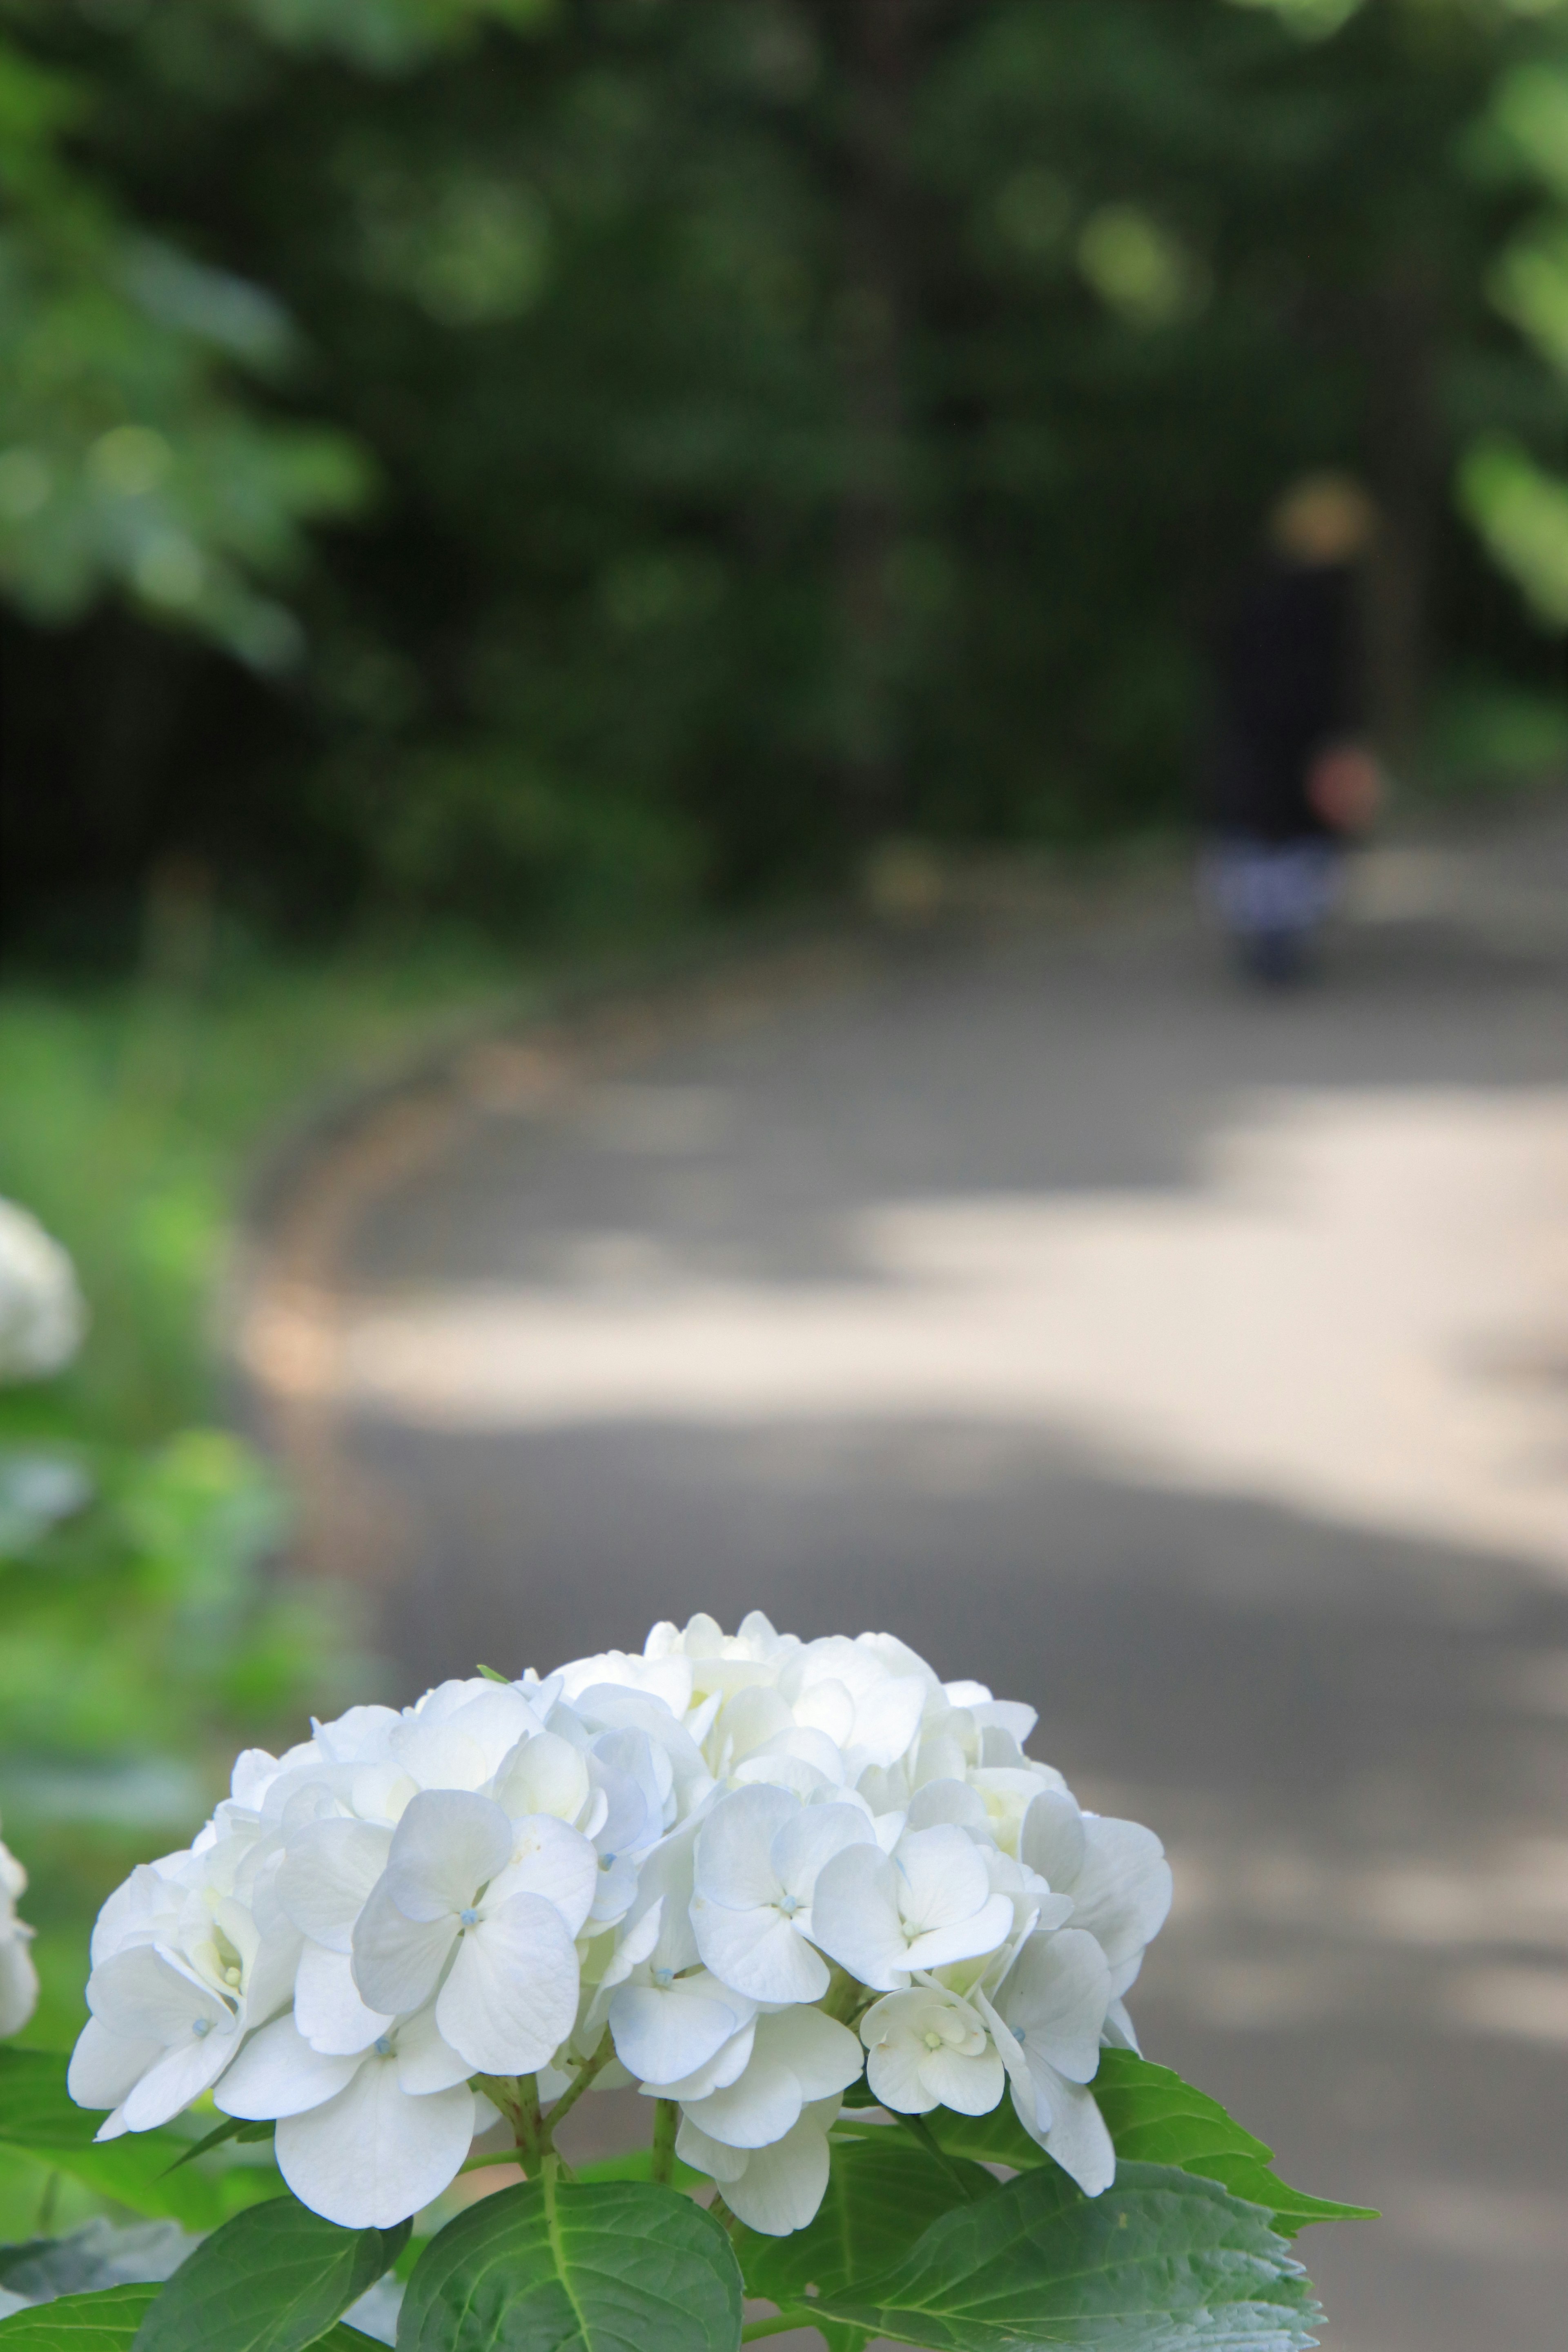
(139, 2171)
(545, 2267)
(273, 2280)
(882, 2192)
(1522, 512)
(1154, 2117)
(143, 1629)
(1159, 2260)
(707, 510)
(126, 462)
(913, 2245)
(1518, 506)
(106, 2321)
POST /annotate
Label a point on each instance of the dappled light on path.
(1359, 1311)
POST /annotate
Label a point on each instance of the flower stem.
(665, 2118)
(722, 2215)
(528, 2086)
(519, 2103)
(569, 2098)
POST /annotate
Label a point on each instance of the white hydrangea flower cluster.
(18, 1977)
(734, 1872)
(42, 1317)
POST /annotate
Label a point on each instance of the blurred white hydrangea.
(42, 1314)
(737, 1871)
(18, 1977)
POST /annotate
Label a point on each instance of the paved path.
(1193, 1364)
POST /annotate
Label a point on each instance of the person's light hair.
(1326, 517)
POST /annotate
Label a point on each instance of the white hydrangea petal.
(553, 1861)
(1009, 1714)
(328, 2010)
(1056, 1999)
(326, 1875)
(810, 1839)
(893, 2071)
(733, 1861)
(944, 1877)
(496, 1718)
(1123, 1894)
(826, 1707)
(397, 1961)
(855, 1917)
(950, 1800)
(966, 1939)
(440, 1758)
(279, 2074)
(178, 2076)
(357, 1736)
(728, 2063)
(823, 2055)
(373, 2156)
(759, 1953)
(664, 2035)
(755, 2110)
(1118, 2030)
(694, 2147)
(637, 1944)
(887, 1719)
(448, 1844)
(616, 1890)
(426, 2060)
(545, 1774)
(1051, 1839)
(970, 2086)
(1077, 2136)
(150, 1993)
(144, 1909)
(511, 1997)
(105, 2067)
(782, 2187)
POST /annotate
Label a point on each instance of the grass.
(131, 1114)
(144, 1641)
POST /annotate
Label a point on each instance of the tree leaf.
(38, 2114)
(882, 2192)
(104, 2322)
(1156, 2119)
(611, 2267)
(1160, 2261)
(272, 2280)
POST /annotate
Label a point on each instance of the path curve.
(1191, 1363)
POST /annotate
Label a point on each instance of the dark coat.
(1287, 684)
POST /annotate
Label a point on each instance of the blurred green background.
(487, 483)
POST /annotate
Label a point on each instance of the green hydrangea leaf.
(272, 2280)
(598, 2268)
(104, 2322)
(1160, 2262)
(1154, 2117)
(38, 2115)
(882, 2190)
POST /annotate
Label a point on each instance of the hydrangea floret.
(737, 1872)
(866, 1958)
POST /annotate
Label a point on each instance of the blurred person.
(1291, 778)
